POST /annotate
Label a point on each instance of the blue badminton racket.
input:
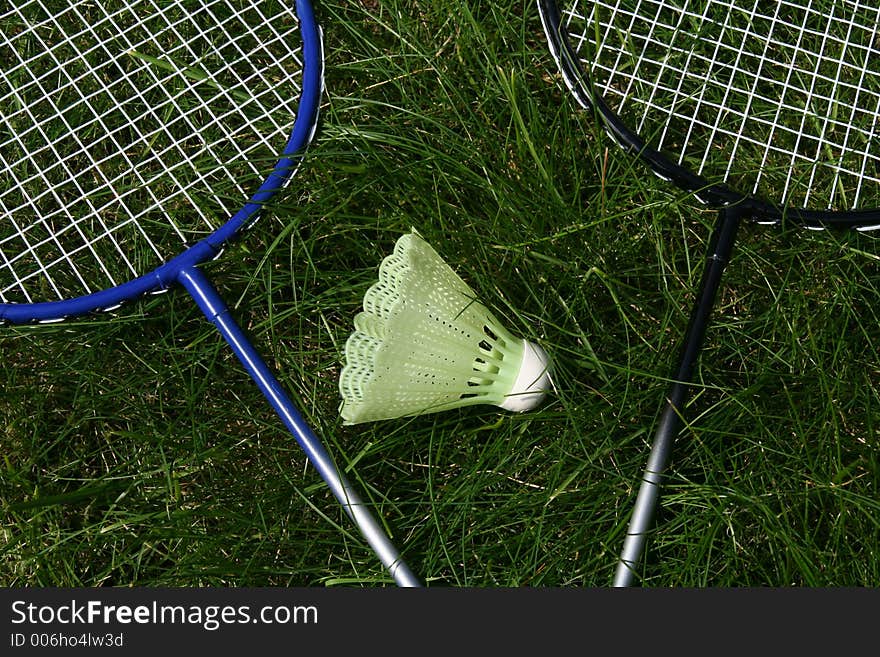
(128, 130)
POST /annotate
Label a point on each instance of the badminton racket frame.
(183, 270)
(732, 207)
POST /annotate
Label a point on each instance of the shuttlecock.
(424, 344)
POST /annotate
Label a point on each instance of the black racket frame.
(732, 206)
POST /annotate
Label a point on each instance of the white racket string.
(129, 130)
(782, 99)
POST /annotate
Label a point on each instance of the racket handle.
(720, 249)
(215, 309)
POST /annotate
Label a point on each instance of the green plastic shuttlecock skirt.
(424, 344)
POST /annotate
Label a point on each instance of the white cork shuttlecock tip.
(423, 344)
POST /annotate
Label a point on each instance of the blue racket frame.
(167, 274)
(183, 270)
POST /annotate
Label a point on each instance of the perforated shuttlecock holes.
(423, 343)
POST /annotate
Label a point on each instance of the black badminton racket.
(767, 111)
(137, 138)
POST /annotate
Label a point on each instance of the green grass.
(136, 451)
